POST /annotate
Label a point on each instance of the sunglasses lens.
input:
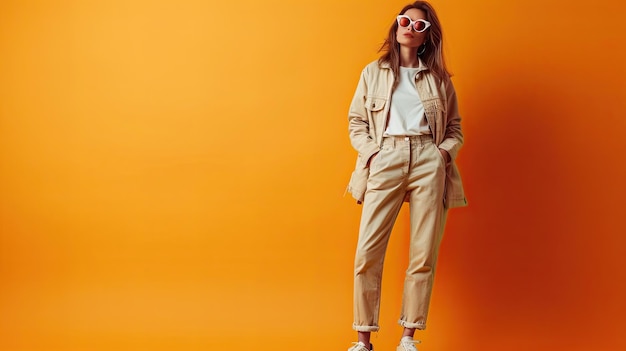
(419, 26)
(404, 22)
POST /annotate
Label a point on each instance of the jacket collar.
(422, 66)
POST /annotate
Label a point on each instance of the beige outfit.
(405, 168)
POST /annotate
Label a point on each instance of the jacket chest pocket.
(375, 107)
(435, 111)
(433, 106)
(375, 104)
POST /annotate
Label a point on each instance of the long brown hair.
(433, 51)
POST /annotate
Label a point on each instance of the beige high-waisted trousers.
(404, 165)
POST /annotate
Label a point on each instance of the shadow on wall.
(539, 220)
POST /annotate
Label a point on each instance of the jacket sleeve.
(453, 136)
(358, 123)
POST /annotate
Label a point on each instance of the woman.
(405, 126)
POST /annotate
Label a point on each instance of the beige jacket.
(368, 117)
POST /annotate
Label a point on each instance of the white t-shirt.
(406, 113)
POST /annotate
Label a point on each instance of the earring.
(422, 49)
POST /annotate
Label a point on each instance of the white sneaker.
(407, 344)
(359, 346)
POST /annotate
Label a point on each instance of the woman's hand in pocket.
(445, 155)
(371, 159)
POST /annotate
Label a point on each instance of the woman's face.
(407, 36)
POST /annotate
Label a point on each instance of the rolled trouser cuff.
(418, 326)
(365, 328)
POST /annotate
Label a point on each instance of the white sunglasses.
(419, 25)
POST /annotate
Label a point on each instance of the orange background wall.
(172, 172)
